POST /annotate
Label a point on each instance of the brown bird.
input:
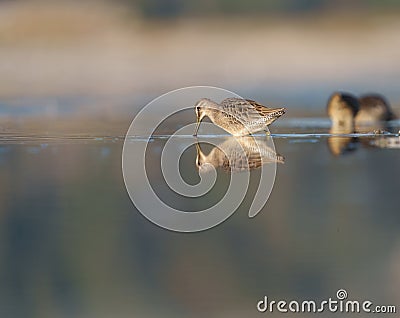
(237, 116)
(342, 108)
(373, 108)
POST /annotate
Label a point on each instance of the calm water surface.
(73, 245)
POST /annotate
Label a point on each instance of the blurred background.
(71, 242)
(111, 56)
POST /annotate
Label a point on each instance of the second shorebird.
(237, 116)
(342, 108)
(373, 108)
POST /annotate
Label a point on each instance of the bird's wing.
(263, 110)
(248, 110)
(241, 109)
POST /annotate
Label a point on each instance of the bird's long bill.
(197, 127)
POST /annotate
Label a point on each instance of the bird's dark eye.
(197, 108)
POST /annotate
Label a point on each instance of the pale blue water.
(73, 245)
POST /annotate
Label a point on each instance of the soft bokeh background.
(72, 76)
(107, 55)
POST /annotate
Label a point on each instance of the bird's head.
(204, 107)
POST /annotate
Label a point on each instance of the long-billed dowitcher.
(373, 108)
(237, 116)
(237, 154)
(342, 108)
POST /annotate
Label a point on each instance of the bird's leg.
(197, 127)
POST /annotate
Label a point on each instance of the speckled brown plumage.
(237, 116)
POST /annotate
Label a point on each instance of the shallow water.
(73, 245)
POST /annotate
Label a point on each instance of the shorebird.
(373, 108)
(237, 116)
(237, 154)
(342, 108)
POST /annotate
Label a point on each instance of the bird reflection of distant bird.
(387, 142)
(237, 116)
(340, 145)
(241, 154)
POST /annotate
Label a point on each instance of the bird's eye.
(197, 108)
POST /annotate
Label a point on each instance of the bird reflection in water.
(340, 145)
(387, 142)
(236, 154)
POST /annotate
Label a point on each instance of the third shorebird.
(237, 116)
(373, 108)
